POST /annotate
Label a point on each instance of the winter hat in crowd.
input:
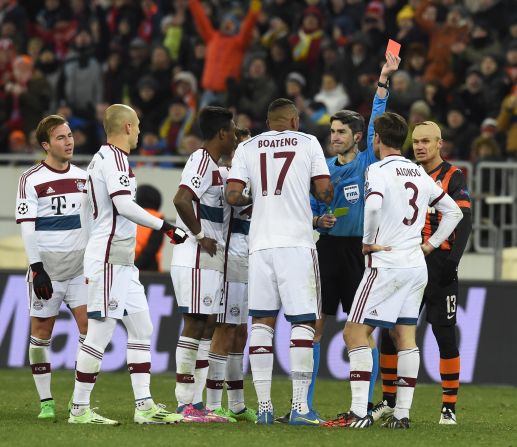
(314, 11)
(406, 12)
(188, 77)
(374, 8)
(489, 125)
(296, 77)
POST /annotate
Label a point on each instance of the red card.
(393, 47)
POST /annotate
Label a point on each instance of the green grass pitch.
(487, 417)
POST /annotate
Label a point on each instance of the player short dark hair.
(212, 119)
(46, 126)
(350, 118)
(242, 132)
(392, 129)
(279, 103)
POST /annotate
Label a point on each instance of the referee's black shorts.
(440, 301)
(341, 270)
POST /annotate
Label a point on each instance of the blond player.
(114, 289)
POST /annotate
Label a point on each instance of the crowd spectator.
(507, 122)
(461, 131)
(225, 48)
(80, 76)
(169, 58)
(443, 38)
(26, 97)
(332, 94)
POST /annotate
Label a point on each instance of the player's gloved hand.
(176, 235)
(41, 282)
(449, 272)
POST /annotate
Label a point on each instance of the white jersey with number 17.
(279, 167)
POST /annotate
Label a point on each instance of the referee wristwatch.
(385, 85)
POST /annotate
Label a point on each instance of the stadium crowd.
(169, 58)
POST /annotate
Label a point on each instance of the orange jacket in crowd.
(224, 53)
(143, 235)
(441, 38)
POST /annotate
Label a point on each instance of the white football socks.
(261, 361)
(407, 373)
(40, 365)
(361, 364)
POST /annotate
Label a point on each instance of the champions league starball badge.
(124, 181)
(23, 208)
(196, 181)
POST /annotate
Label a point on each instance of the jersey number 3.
(288, 158)
(412, 204)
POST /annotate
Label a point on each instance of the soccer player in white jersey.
(114, 289)
(198, 265)
(397, 193)
(231, 331)
(47, 209)
(280, 166)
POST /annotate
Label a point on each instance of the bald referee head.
(282, 115)
(121, 125)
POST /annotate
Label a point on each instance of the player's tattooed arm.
(322, 189)
(234, 194)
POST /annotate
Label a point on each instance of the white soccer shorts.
(389, 296)
(113, 290)
(286, 277)
(234, 309)
(197, 291)
(72, 292)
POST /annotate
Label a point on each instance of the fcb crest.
(351, 193)
(80, 185)
(37, 304)
(113, 305)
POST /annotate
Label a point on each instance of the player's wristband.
(200, 235)
(317, 221)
